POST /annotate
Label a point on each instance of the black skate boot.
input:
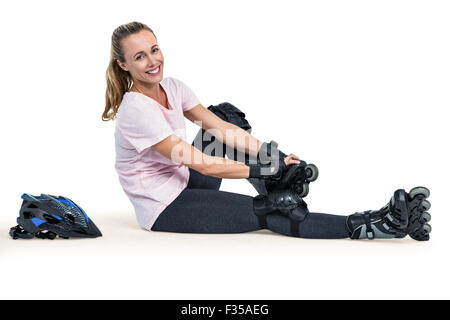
(403, 215)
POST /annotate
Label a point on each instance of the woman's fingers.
(294, 158)
(291, 159)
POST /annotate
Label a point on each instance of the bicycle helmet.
(47, 216)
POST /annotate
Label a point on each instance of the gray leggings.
(202, 208)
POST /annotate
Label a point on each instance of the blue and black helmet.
(47, 216)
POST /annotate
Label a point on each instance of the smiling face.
(142, 56)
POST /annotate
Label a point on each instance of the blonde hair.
(118, 81)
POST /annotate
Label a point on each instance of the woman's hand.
(291, 159)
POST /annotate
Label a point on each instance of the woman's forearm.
(236, 138)
(239, 139)
(225, 168)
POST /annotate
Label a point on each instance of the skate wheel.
(312, 172)
(421, 233)
(426, 205)
(419, 191)
(427, 228)
(426, 217)
(305, 190)
(298, 188)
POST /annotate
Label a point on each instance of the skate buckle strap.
(369, 231)
(18, 232)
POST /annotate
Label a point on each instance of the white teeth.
(156, 71)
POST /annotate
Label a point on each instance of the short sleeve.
(143, 124)
(188, 97)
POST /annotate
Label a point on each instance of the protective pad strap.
(18, 232)
(262, 207)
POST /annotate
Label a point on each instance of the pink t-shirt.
(150, 180)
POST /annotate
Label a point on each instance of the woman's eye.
(154, 50)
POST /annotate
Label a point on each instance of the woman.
(174, 186)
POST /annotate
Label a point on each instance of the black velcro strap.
(255, 171)
(262, 220)
(294, 228)
(261, 210)
(297, 216)
(369, 230)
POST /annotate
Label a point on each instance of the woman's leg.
(208, 211)
(202, 208)
(315, 226)
(201, 181)
(213, 211)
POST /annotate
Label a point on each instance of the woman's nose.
(151, 62)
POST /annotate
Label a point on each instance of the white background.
(360, 88)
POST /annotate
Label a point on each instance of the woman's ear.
(121, 65)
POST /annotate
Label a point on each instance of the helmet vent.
(51, 219)
(28, 215)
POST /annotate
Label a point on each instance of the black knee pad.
(226, 111)
(284, 202)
